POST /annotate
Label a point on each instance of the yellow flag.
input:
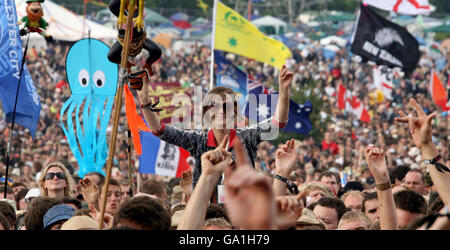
(237, 35)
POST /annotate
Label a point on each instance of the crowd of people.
(357, 176)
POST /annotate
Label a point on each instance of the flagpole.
(211, 70)
(8, 148)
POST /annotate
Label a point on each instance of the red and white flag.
(382, 78)
(351, 103)
(407, 7)
(438, 92)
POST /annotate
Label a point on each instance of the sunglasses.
(224, 105)
(59, 175)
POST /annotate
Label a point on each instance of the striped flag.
(346, 100)
(438, 92)
(161, 158)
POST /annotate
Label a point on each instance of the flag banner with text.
(383, 42)
(237, 35)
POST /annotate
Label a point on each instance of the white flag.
(382, 78)
(407, 7)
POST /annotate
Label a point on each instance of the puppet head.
(34, 9)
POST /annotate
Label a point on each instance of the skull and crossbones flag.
(383, 42)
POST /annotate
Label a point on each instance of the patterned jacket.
(197, 142)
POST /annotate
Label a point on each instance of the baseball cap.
(58, 213)
(32, 193)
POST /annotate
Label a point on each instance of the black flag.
(383, 42)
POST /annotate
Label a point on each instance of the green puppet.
(34, 21)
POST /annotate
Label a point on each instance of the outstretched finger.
(430, 118)
(403, 118)
(239, 151)
(223, 143)
(417, 107)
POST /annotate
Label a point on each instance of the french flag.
(161, 158)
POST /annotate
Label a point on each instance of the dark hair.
(9, 212)
(113, 182)
(70, 200)
(216, 211)
(368, 197)
(410, 201)
(414, 170)
(144, 212)
(100, 176)
(4, 221)
(153, 187)
(399, 173)
(329, 174)
(20, 195)
(19, 184)
(34, 218)
(337, 204)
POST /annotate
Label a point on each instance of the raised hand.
(89, 191)
(250, 203)
(285, 79)
(285, 159)
(377, 164)
(420, 126)
(215, 161)
(186, 183)
(289, 209)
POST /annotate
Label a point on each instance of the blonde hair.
(310, 186)
(351, 192)
(69, 180)
(218, 222)
(354, 215)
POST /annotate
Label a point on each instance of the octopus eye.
(99, 78)
(83, 78)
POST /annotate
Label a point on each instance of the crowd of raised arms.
(354, 176)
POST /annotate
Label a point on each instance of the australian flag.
(229, 75)
(383, 42)
(262, 103)
(28, 102)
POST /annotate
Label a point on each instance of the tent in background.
(270, 25)
(65, 25)
(154, 17)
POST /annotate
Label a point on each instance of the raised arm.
(284, 82)
(213, 165)
(284, 164)
(151, 117)
(420, 129)
(377, 165)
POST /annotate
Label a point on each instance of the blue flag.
(228, 75)
(262, 103)
(161, 158)
(28, 103)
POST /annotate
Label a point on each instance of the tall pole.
(84, 18)
(249, 13)
(118, 102)
(211, 70)
(8, 148)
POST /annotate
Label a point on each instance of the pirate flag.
(383, 42)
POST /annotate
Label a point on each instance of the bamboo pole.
(118, 102)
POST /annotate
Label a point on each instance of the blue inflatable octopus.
(93, 84)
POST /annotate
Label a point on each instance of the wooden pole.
(118, 102)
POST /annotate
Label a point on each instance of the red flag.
(438, 92)
(135, 121)
(341, 96)
(352, 104)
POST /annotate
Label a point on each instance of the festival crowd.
(356, 176)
